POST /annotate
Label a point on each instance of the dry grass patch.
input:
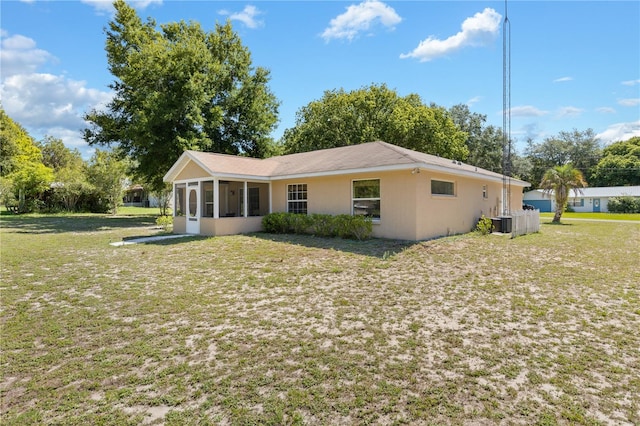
(268, 329)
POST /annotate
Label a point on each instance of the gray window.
(442, 187)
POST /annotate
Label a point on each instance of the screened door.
(193, 203)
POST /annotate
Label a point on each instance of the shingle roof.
(354, 158)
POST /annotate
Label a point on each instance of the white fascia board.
(411, 166)
(176, 168)
(398, 167)
(181, 164)
(226, 176)
(474, 175)
(186, 157)
(239, 177)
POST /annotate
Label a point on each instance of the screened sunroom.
(217, 207)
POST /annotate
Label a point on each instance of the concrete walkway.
(148, 239)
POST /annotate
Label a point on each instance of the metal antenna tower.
(506, 114)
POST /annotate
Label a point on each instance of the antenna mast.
(506, 114)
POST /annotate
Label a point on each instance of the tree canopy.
(619, 165)
(483, 142)
(180, 88)
(108, 174)
(580, 148)
(22, 172)
(372, 113)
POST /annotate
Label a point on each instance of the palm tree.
(560, 180)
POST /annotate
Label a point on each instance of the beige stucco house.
(408, 194)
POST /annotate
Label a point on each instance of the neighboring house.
(587, 200)
(136, 196)
(409, 195)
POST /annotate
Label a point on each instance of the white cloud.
(629, 102)
(527, 111)
(360, 18)
(569, 111)
(19, 54)
(47, 104)
(620, 132)
(631, 82)
(247, 16)
(606, 110)
(479, 30)
(562, 79)
(474, 100)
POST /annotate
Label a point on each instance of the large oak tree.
(372, 113)
(178, 87)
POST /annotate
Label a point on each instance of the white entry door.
(193, 208)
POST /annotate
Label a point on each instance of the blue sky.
(574, 64)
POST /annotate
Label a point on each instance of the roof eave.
(177, 167)
(401, 167)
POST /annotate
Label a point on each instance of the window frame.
(378, 198)
(436, 194)
(205, 203)
(485, 191)
(299, 191)
(180, 199)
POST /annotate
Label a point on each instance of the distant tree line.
(47, 176)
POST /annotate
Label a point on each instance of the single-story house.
(409, 195)
(136, 195)
(586, 200)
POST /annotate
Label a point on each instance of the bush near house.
(322, 225)
(624, 204)
(165, 222)
(484, 226)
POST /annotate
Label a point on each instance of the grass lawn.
(140, 211)
(261, 329)
(594, 216)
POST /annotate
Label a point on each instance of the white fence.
(525, 222)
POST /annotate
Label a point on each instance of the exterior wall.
(407, 208)
(229, 225)
(587, 206)
(440, 215)
(539, 200)
(517, 197)
(548, 204)
(192, 171)
(333, 195)
(179, 225)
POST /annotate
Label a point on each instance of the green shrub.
(300, 223)
(277, 223)
(484, 226)
(166, 222)
(360, 227)
(322, 225)
(624, 204)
